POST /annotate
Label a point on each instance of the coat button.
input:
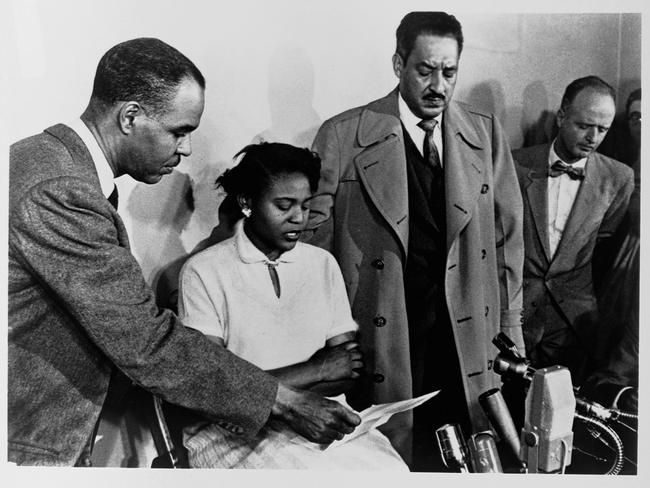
(483, 253)
(379, 321)
(378, 378)
(484, 189)
(378, 264)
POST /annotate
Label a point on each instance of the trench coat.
(360, 213)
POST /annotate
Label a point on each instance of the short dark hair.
(632, 97)
(262, 163)
(429, 23)
(145, 70)
(588, 82)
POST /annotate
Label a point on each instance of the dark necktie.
(112, 198)
(560, 168)
(429, 149)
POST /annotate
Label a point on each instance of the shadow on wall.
(291, 96)
(489, 96)
(160, 212)
(537, 121)
(293, 120)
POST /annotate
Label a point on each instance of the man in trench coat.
(432, 261)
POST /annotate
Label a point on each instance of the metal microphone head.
(497, 412)
(452, 447)
(483, 453)
(512, 367)
(547, 438)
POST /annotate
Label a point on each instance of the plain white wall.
(277, 69)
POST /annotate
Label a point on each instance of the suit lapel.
(463, 166)
(587, 200)
(382, 165)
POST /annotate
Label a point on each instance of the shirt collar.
(249, 254)
(104, 171)
(409, 119)
(553, 157)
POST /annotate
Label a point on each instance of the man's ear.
(398, 65)
(127, 115)
(559, 117)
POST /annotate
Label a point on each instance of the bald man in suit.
(573, 199)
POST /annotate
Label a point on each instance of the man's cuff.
(511, 326)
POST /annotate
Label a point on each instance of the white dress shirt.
(417, 134)
(562, 191)
(104, 171)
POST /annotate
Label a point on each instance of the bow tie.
(559, 167)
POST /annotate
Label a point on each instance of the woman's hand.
(338, 362)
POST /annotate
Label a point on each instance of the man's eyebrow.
(427, 64)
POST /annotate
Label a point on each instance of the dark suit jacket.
(361, 215)
(560, 290)
(79, 308)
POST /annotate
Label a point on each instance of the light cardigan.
(226, 291)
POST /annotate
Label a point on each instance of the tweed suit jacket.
(360, 214)
(79, 308)
(566, 277)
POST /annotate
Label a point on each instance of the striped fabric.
(278, 447)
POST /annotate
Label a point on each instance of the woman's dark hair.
(261, 163)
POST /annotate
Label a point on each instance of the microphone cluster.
(545, 442)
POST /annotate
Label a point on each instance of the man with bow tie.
(418, 201)
(573, 199)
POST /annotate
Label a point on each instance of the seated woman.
(280, 304)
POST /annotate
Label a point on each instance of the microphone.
(483, 453)
(497, 412)
(452, 447)
(547, 437)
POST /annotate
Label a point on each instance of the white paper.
(377, 415)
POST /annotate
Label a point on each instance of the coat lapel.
(464, 169)
(382, 164)
(537, 194)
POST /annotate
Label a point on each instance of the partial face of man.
(634, 120)
(157, 142)
(583, 124)
(428, 76)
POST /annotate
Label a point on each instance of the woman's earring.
(246, 211)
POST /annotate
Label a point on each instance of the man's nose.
(436, 83)
(185, 146)
(299, 215)
(592, 134)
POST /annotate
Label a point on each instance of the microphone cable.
(617, 447)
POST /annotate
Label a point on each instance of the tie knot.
(428, 125)
(558, 168)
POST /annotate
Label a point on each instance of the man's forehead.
(186, 106)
